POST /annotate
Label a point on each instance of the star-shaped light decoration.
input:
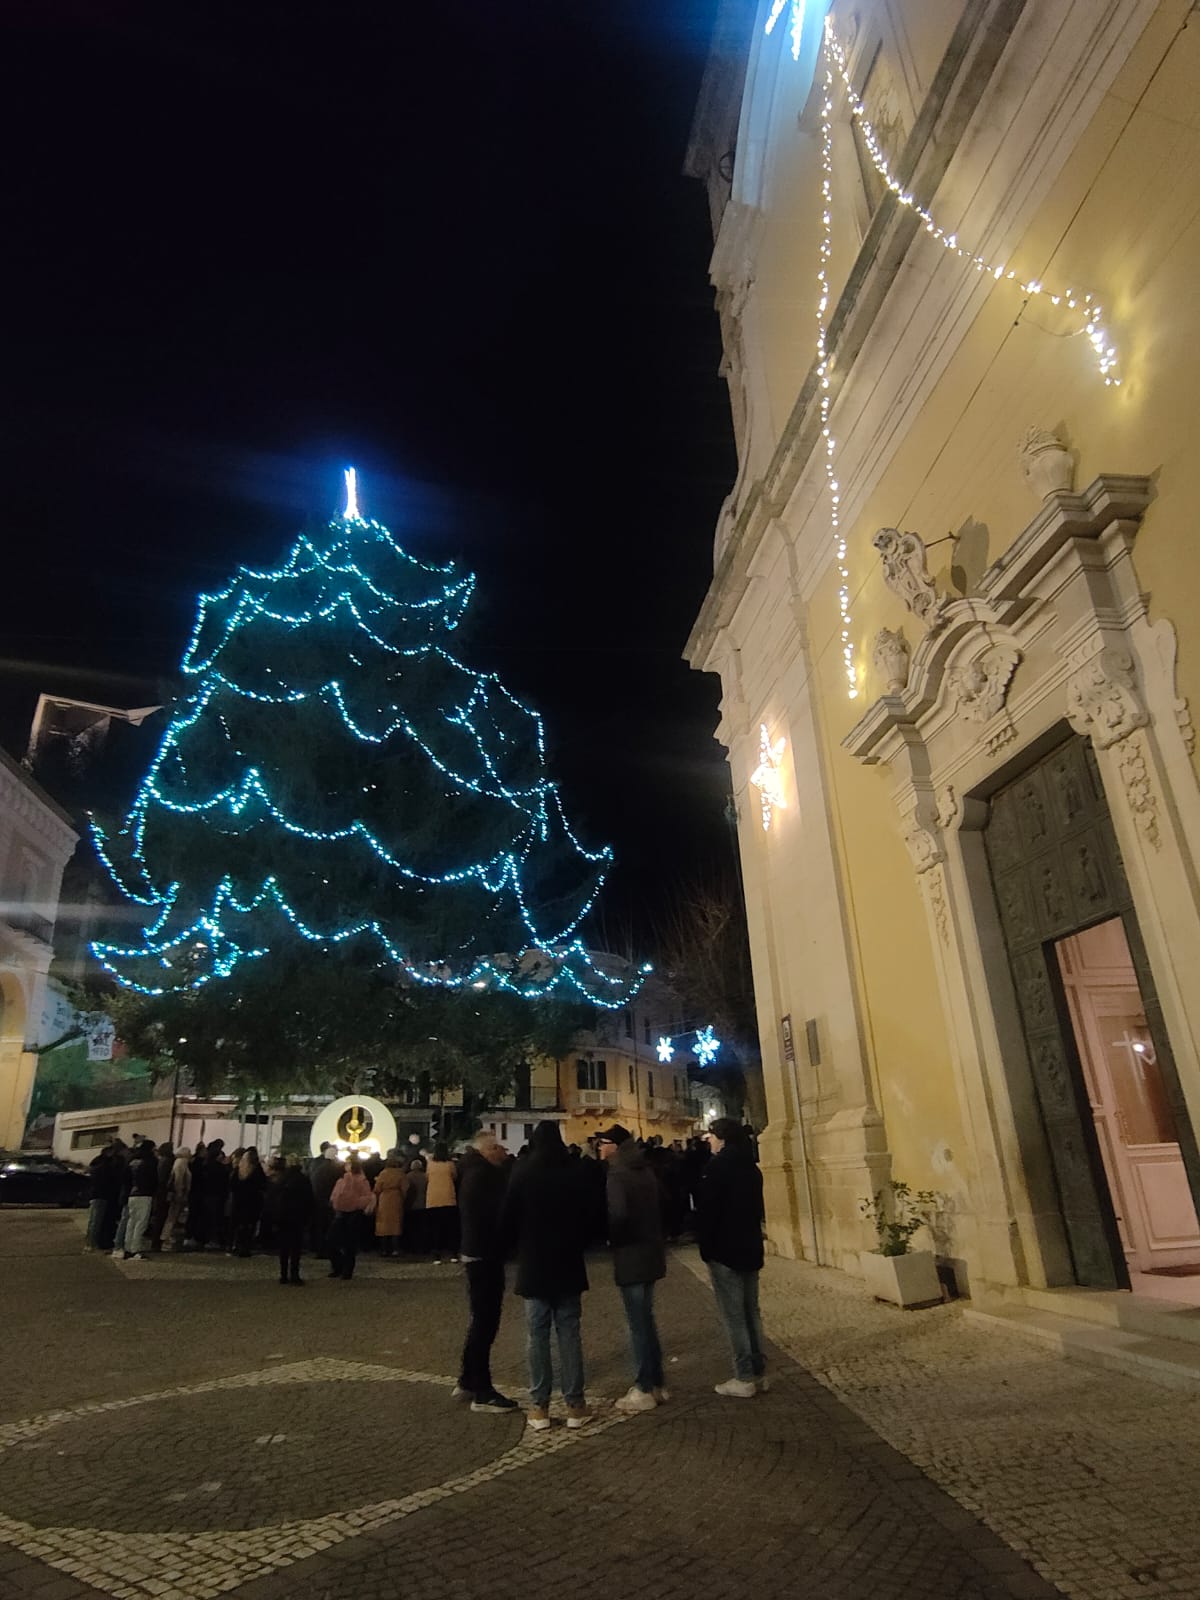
(665, 1049)
(706, 1046)
(767, 777)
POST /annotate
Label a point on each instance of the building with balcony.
(955, 611)
(36, 842)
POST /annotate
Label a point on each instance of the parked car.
(38, 1180)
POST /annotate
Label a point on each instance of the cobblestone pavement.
(184, 1430)
(1093, 1474)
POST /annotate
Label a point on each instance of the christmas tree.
(336, 775)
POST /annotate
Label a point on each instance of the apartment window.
(504, 1133)
(632, 1082)
(629, 1024)
(591, 1074)
(650, 1085)
(646, 1030)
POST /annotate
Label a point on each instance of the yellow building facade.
(956, 615)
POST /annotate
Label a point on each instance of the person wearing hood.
(179, 1186)
(635, 1233)
(482, 1180)
(545, 1222)
(729, 1214)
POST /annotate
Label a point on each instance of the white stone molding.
(891, 657)
(906, 573)
(1046, 463)
(1166, 642)
(1102, 701)
(1063, 605)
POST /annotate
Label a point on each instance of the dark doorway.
(1057, 871)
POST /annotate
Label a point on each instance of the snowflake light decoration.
(706, 1046)
(767, 777)
(665, 1049)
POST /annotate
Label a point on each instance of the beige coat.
(389, 1202)
(440, 1189)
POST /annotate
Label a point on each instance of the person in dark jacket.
(482, 1180)
(635, 1232)
(323, 1173)
(545, 1221)
(288, 1204)
(247, 1186)
(729, 1232)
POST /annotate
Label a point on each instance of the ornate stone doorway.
(1120, 1141)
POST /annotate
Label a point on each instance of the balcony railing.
(592, 1099)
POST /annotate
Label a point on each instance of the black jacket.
(143, 1175)
(635, 1224)
(729, 1209)
(481, 1188)
(544, 1222)
(289, 1201)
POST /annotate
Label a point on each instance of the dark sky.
(248, 242)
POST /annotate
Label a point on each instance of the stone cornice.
(22, 797)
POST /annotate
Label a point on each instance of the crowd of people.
(544, 1209)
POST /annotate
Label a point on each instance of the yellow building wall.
(1122, 221)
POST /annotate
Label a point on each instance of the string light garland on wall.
(213, 834)
(1088, 307)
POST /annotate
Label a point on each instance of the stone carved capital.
(906, 573)
(1102, 699)
(923, 847)
(980, 685)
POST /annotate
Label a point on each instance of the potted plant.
(895, 1272)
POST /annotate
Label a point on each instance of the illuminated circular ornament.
(356, 1125)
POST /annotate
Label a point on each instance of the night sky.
(247, 243)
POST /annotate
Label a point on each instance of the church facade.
(955, 611)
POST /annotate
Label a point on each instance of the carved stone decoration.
(1046, 463)
(1102, 701)
(981, 684)
(906, 573)
(1135, 775)
(891, 656)
(1002, 731)
(1167, 644)
(948, 807)
(924, 849)
(937, 904)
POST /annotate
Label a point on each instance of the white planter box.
(909, 1280)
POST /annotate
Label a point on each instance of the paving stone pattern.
(1094, 1475)
(185, 1438)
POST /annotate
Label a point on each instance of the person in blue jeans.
(545, 1223)
(635, 1233)
(729, 1212)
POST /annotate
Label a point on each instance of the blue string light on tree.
(337, 774)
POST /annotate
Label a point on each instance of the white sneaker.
(737, 1388)
(763, 1384)
(136, 1258)
(537, 1418)
(118, 1255)
(637, 1400)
